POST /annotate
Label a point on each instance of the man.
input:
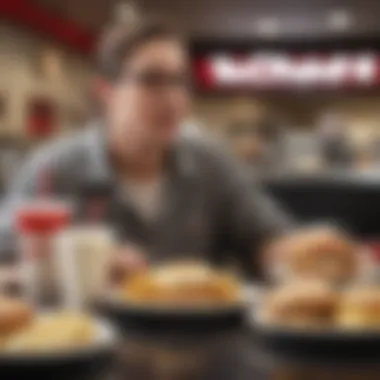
(336, 150)
(173, 196)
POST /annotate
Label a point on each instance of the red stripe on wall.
(44, 21)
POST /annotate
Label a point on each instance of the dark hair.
(119, 42)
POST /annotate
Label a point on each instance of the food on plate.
(14, 315)
(58, 331)
(359, 307)
(308, 304)
(182, 284)
(324, 254)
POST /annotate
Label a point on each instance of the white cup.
(82, 257)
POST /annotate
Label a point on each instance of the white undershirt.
(146, 197)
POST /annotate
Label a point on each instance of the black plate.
(72, 368)
(130, 316)
(332, 344)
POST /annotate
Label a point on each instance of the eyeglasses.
(159, 80)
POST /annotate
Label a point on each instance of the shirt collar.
(180, 159)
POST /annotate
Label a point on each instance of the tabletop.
(231, 356)
(238, 354)
(224, 357)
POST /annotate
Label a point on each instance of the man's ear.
(101, 89)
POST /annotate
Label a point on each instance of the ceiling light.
(267, 26)
(339, 20)
(125, 13)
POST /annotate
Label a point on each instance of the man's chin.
(166, 139)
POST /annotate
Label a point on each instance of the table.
(224, 357)
(232, 356)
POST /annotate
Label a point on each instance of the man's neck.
(138, 164)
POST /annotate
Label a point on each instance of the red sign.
(41, 117)
(273, 71)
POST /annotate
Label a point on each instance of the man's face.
(151, 97)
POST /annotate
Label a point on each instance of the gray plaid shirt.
(209, 206)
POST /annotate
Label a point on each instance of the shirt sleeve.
(250, 217)
(23, 186)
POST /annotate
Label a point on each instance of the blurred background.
(291, 87)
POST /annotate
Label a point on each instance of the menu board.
(280, 70)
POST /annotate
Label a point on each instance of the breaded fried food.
(184, 284)
(360, 308)
(321, 254)
(56, 331)
(15, 315)
(308, 304)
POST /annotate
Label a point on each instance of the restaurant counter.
(350, 198)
